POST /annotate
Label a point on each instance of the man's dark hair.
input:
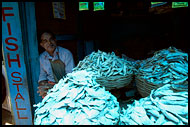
(46, 31)
(51, 33)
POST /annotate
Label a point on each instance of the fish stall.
(84, 96)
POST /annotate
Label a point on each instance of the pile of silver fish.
(135, 63)
(164, 106)
(106, 64)
(166, 66)
(77, 100)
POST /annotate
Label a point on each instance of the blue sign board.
(14, 62)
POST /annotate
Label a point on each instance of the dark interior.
(129, 28)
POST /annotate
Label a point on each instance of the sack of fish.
(167, 66)
(163, 106)
(111, 70)
(77, 100)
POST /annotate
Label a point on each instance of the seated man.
(55, 62)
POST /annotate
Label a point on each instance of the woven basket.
(115, 82)
(144, 87)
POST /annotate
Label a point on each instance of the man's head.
(48, 42)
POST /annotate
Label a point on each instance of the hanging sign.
(156, 4)
(59, 10)
(179, 4)
(14, 62)
(83, 6)
(98, 6)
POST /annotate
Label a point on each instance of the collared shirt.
(65, 56)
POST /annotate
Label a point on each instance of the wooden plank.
(31, 49)
(14, 62)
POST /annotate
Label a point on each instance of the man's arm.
(43, 82)
(43, 74)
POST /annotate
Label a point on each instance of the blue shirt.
(65, 56)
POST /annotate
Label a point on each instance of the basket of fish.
(77, 100)
(112, 71)
(167, 66)
(164, 106)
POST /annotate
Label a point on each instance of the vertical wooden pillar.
(29, 30)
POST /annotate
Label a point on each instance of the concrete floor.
(6, 117)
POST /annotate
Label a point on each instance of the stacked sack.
(167, 66)
(164, 106)
(77, 100)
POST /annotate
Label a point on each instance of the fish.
(156, 109)
(104, 64)
(167, 66)
(160, 120)
(77, 104)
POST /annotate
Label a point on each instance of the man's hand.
(44, 86)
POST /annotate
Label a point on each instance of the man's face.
(48, 43)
